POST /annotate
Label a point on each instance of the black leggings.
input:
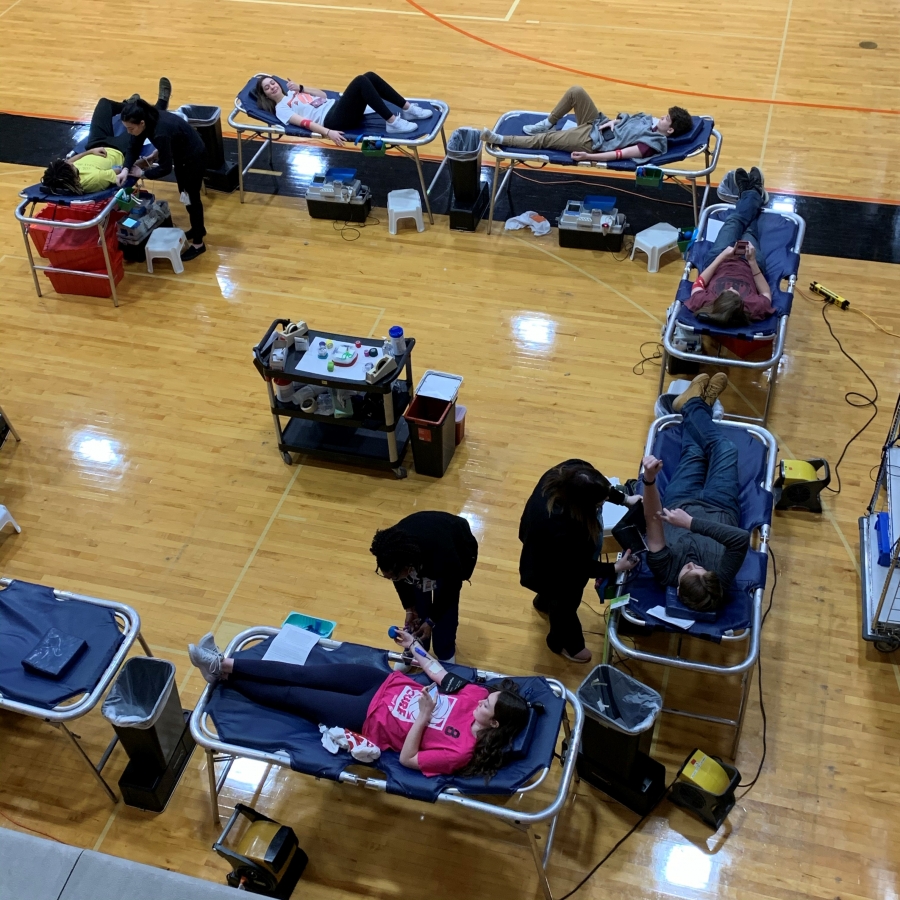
(101, 130)
(365, 90)
(337, 694)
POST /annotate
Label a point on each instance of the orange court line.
(637, 84)
(561, 170)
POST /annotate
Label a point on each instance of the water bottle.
(398, 342)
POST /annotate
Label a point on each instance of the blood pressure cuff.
(453, 684)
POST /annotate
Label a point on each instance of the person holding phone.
(732, 290)
(460, 728)
(560, 531)
(694, 536)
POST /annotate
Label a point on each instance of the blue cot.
(741, 618)
(781, 238)
(229, 725)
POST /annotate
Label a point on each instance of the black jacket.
(558, 551)
(178, 144)
(449, 554)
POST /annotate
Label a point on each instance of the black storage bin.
(432, 430)
(145, 711)
(464, 153)
(207, 121)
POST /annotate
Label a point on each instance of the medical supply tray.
(584, 227)
(338, 200)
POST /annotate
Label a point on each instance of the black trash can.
(619, 716)
(207, 122)
(145, 711)
(432, 430)
(464, 153)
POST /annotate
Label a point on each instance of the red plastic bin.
(66, 283)
(67, 248)
(81, 212)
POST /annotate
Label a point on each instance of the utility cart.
(879, 538)
(366, 426)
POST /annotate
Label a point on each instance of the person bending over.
(428, 556)
(694, 541)
(732, 290)
(312, 109)
(102, 164)
(180, 149)
(465, 731)
(560, 531)
(596, 137)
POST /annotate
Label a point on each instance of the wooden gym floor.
(147, 471)
(787, 81)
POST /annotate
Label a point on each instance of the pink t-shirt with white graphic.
(448, 742)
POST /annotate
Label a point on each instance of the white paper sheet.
(713, 227)
(291, 645)
(659, 612)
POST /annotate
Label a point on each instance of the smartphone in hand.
(740, 248)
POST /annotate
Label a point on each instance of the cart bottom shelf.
(352, 446)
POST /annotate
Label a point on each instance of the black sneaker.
(192, 252)
(165, 92)
(133, 98)
(539, 605)
(743, 181)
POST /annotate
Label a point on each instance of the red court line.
(638, 84)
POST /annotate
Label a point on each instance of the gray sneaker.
(538, 127)
(207, 660)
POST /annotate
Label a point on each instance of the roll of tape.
(308, 405)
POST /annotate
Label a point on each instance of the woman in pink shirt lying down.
(462, 728)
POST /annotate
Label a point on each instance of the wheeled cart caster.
(400, 472)
(288, 459)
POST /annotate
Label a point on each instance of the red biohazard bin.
(68, 248)
(432, 422)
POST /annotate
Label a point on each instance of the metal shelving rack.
(377, 441)
(881, 584)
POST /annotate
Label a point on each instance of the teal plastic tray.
(322, 627)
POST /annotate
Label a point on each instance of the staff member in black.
(560, 533)
(428, 556)
(180, 148)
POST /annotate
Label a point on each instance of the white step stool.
(654, 242)
(7, 519)
(166, 243)
(405, 204)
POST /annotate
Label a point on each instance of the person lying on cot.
(732, 290)
(465, 728)
(102, 164)
(596, 137)
(312, 109)
(693, 537)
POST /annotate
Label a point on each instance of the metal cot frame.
(677, 660)
(217, 750)
(711, 157)
(130, 623)
(268, 134)
(26, 219)
(777, 340)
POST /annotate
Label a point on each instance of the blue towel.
(29, 611)
(244, 723)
